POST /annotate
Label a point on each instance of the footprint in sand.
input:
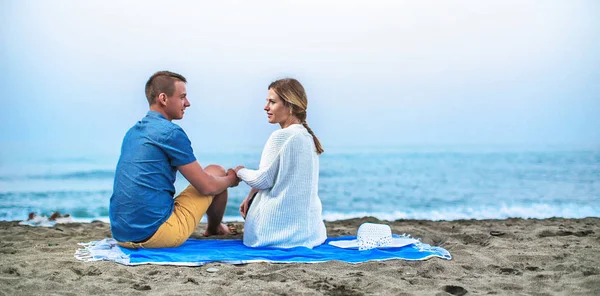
(455, 290)
(510, 271)
(191, 281)
(549, 233)
(12, 271)
(141, 287)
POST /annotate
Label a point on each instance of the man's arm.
(205, 183)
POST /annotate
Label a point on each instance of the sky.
(377, 73)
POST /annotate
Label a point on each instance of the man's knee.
(215, 170)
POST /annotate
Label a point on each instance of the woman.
(283, 208)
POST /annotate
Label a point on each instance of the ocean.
(387, 183)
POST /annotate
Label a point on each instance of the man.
(143, 213)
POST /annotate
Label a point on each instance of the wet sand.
(502, 257)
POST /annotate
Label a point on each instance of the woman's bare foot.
(222, 229)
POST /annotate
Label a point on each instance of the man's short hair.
(162, 82)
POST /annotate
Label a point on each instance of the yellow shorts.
(190, 206)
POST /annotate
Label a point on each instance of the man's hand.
(235, 181)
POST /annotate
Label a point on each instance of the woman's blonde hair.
(294, 97)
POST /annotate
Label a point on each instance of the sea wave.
(77, 175)
(536, 211)
(85, 213)
(46, 196)
(389, 186)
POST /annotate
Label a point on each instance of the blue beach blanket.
(197, 252)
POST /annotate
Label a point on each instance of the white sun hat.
(371, 235)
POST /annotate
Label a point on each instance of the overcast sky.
(377, 73)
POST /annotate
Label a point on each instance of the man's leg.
(190, 206)
(216, 210)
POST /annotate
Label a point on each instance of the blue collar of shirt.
(155, 114)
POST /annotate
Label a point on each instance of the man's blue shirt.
(143, 190)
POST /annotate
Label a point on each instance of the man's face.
(176, 104)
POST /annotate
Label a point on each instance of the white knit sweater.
(286, 211)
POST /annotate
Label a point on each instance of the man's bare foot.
(221, 230)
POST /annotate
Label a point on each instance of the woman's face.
(277, 112)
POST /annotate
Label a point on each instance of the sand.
(503, 257)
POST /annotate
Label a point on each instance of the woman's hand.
(237, 168)
(244, 205)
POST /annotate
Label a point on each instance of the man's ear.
(162, 99)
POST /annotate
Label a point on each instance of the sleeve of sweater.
(264, 177)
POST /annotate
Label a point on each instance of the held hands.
(233, 172)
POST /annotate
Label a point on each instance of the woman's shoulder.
(295, 138)
(288, 133)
